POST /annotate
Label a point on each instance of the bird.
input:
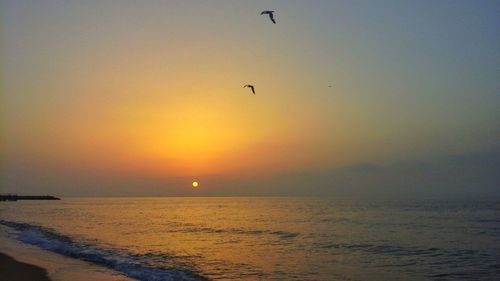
(251, 87)
(271, 15)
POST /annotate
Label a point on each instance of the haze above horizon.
(142, 98)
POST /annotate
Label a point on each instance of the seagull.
(271, 15)
(251, 87)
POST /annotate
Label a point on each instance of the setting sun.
(324, 132)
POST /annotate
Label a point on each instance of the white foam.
(59, 268)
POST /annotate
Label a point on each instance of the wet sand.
(15, 270)
(28, 259)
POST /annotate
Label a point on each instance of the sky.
(353, 98)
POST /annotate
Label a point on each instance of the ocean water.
(267, 238)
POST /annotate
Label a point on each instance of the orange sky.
(156, 89)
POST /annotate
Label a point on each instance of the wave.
(395, 250)
(136, 266)
(279, 233)
(188, 228)
(435, 257)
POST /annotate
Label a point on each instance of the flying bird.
(271, 15)
(251, 87)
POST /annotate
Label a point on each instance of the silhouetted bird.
(251, 87)
(271, 15)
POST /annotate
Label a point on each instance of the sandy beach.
(20, 261)
(15, 270)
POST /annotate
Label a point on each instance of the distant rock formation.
(14, 197)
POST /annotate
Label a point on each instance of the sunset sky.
(121, 98)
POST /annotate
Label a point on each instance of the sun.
(195, 184)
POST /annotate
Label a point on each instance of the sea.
(267, 238)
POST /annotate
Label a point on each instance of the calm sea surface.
(267, 238)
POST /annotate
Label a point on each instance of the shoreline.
(20, 257)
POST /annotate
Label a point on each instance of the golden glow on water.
(225, 232)
(237, 238)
